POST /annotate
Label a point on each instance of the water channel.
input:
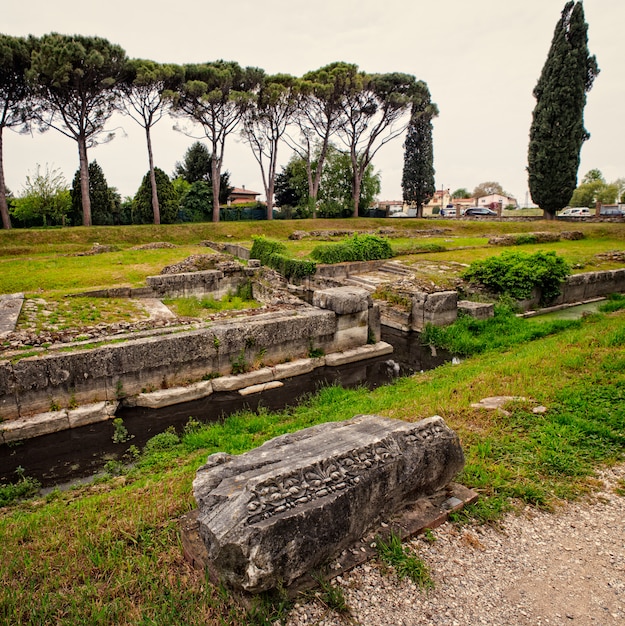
(81, 452)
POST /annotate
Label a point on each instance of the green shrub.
(163, 441)
(517, 274)
(273, 254)
(355, 248)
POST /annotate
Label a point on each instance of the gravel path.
(536, 568)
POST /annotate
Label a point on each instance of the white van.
(575, 212)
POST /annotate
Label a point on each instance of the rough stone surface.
(281, 510)
(91, 413)
(248, 391)
(478, 310)
(342, 300)
(167, 397)
(10, 307)
(35, 426)
(439, 308)
(358, 354)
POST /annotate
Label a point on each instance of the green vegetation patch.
(362, 247)
(203, 307)
(274, 254)
(468, 336)
(517, 274)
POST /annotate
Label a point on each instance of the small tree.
(557, 131)
(45, 197)
(418, 174)
(167, 200)
(197, 166)
(487, 189)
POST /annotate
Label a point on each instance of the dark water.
(80, 452)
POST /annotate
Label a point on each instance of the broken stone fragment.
(285, 508)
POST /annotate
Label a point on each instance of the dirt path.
(566, 567)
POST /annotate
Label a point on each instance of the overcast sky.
(481, 60)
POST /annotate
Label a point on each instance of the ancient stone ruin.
(273, 514)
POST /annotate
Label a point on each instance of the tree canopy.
(594, 188)
(144, 85)
(557, 131)
(167, 199)
(74, 83)
(76, 80)
(488, 188)
(215, 95)
(105, 201)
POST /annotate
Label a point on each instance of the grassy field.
(41, 261)
(110, 552)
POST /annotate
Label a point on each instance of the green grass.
(203, 307)
(407, 565)
(469, 336)
(111, 553)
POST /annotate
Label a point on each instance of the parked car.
(613, 211)
(448, 212)
(480, 211)
(575, 212)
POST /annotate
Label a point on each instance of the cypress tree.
(418, 174)
(557, 131)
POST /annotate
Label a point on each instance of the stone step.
(395, 268)
(365, 283)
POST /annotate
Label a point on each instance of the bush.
(356, 248)
(517, 274)
(273, 254)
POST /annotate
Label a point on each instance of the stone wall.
(108, 373)
(582, 287)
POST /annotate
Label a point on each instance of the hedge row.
(355, 248)
(273, 254)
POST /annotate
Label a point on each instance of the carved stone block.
(283, 509)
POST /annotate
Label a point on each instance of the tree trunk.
(216, 174)
(84, 181)
(155, 206)
(548, 216)
(356, 183)
(419, 209)
(4, 207)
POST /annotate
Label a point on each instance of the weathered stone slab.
(35, 426)
(478, 310)
(285, 508)
(10, 308)
(248, 391)
(297, 367)
(233, 383)
(368, 351)
(342, 300)
(167, 397)
(91, 413)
